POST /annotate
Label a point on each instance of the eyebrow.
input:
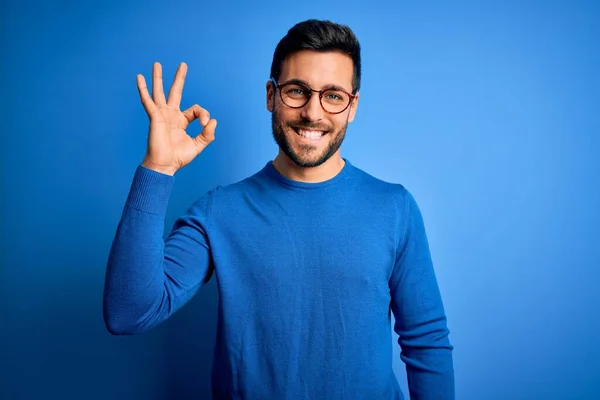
(326, 87)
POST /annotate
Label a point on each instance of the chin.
(307, 159)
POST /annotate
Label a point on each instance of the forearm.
(134, 298)
(134, 294)
(421, 325)
(427, 353)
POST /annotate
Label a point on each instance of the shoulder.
(393, 198)
(396, 192)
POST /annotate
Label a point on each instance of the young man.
(311, 254)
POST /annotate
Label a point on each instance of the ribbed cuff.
(150, 191)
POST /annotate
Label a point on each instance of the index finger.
(177, 87)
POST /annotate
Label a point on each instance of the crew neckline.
(272, 172)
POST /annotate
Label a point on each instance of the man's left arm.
(419, 312)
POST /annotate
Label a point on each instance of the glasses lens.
(294, 95)
(335, 101)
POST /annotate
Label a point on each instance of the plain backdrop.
(487, 111)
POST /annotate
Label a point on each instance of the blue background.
(487, 111)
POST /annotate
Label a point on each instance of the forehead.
(319, 69)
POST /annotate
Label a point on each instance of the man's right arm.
(149, 278)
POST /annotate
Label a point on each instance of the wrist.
(161, 170)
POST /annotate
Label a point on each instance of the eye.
(296, 92)
(335, 96)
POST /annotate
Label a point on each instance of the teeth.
(310, 134)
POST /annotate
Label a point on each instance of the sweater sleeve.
(419, 311)
(149, 278)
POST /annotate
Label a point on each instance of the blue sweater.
(308, 275)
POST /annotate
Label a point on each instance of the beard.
(306, 155)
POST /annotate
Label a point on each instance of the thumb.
(206, 136)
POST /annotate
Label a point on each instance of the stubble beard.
(302, 157)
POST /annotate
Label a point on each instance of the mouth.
(312, 136)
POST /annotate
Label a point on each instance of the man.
(311, 254)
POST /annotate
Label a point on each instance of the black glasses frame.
(310, 92)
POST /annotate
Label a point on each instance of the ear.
(353, 107)
(270, 96)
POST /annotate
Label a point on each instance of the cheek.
(338, 123)
(285, 115)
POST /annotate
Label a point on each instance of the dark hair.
(318, 35)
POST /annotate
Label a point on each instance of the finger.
(157, 85)
(196, 111)
(177, 87)
(207, 136)
(147, 102)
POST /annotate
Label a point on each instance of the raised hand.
(169, 146)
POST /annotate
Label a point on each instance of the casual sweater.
(308, 275)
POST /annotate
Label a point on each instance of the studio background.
(488, 112)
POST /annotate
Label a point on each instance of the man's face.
(291, 126)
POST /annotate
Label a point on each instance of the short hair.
(318, 35)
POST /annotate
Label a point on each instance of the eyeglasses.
(297, 95)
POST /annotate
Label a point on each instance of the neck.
(329, 169)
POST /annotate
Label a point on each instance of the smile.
(313, 136)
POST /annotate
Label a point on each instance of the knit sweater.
(308, 276)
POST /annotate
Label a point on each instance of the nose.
(313, 110)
